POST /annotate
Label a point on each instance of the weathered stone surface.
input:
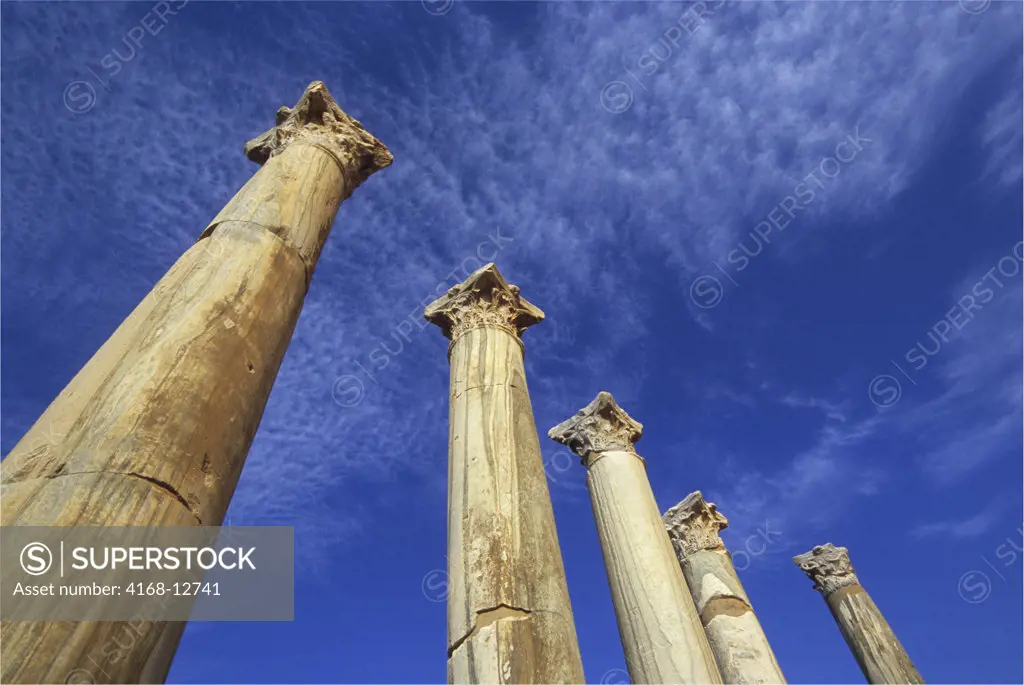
(155, 428)
(181, 406)
(660, 631)
(737, 640)
(509, 616)
(316, 119)
(312, 160)
(485, 299)
(829, 567)
(66, 651)
(601, 426)
(693, 525)
(874, 645)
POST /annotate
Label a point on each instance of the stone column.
(509, 618)
(661, 635)
(879, 654)
(155, 428)
(737, 640)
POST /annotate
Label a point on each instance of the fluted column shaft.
(509, 616)
(734, 633)
(874, 644)
(155, 428)
(661, 634)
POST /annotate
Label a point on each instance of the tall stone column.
(737, 640)
(155, 428)
(509, 618)
(661, 635)
(875, 647)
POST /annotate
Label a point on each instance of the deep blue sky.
(501, 118)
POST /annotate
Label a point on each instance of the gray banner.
(158, 573)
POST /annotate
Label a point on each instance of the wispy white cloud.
(976, 417)
(966, 528)
(973, 419)
(519, 141)
(1001, 136)
(813, 488)
(832, 410)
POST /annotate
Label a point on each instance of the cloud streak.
(518, 142)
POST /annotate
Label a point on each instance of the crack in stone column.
(486, 617)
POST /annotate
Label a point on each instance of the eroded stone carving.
(483, 299)
(601, 426)
(317, 119)
(829, 567)
(693, 525)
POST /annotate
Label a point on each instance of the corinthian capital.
(601, 426)
(693, 525)
(316, 119)
(829, 567)
(483, 299)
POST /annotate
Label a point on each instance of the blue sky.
(621, 156)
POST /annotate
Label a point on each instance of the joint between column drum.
(276, 231)
(593, 457)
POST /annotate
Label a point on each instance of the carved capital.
(601, 426)
(483, 299)
(829, 567)
(693, 525)
(316, 119)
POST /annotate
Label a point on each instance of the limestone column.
(661, 635)
(155, 428)
(509, 617)
(736, 637)
(875, 647)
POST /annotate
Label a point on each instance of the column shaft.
(155, 428)
(509, 616)
(736, 637)
(661, 634)
(874, 645)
